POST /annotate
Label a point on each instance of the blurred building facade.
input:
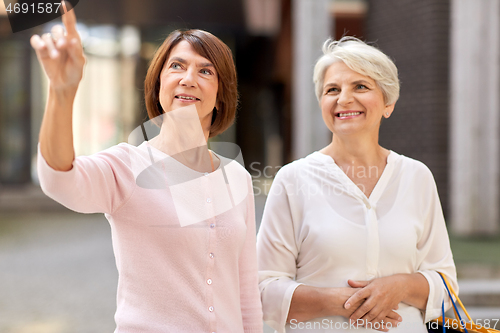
(448, 63)
(415, 34)
(448, 56)
(475, 116)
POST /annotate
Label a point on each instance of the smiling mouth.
(187, 98)
(347, 114)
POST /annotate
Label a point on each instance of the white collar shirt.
(320, 229)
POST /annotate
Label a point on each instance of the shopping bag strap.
(457, 313)
(450, 288)
(442, 313)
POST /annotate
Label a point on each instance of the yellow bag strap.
(456, 297)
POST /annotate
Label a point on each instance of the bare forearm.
(61, 56)
(416, 290)
(313, 302)
(56, 133)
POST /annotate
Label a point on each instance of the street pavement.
(57, 271)
(58, 274)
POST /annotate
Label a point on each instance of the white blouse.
(320, 229)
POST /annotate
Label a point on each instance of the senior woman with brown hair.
(174, 276)
(353, 235)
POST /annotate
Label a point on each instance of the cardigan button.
(211, 308)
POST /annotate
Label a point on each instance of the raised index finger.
(69, 21)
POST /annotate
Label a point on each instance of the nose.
(188, 79)
(345, 97)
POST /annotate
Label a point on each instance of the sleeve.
(434, 252)
(251, 307)
(277, 256)
(99, 183)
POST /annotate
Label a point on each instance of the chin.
(348, 130)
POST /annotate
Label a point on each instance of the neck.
(182, 137)
(356, 150)
(206, 123)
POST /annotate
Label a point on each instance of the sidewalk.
(26, 198)
(58, 275)
(57, 268)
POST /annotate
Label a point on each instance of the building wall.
(475, 117)
(415, 34)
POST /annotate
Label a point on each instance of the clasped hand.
(381, 297)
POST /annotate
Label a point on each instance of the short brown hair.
(211, 48)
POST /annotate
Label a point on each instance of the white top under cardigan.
(319, 229)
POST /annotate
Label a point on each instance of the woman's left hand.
(382, 296)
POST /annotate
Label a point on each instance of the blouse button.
(211, 255)
(212, 225)
(209, 281)
(209, 200)
(211, 308)
(206, 173)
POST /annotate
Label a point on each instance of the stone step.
(480, 293)
(26, 198)
(477, 271)
(478, 286)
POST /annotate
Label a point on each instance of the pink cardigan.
(200, 277)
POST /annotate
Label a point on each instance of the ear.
(388, 110)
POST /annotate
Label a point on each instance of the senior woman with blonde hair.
(353, 235)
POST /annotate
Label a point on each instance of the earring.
(387, 114)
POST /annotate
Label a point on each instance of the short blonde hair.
(362, 58)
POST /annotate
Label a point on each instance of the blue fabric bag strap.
(442, 311)
(454, 305)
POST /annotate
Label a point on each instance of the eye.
(332, 90)
(361, 86)
(206, 71)
(175, 65)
